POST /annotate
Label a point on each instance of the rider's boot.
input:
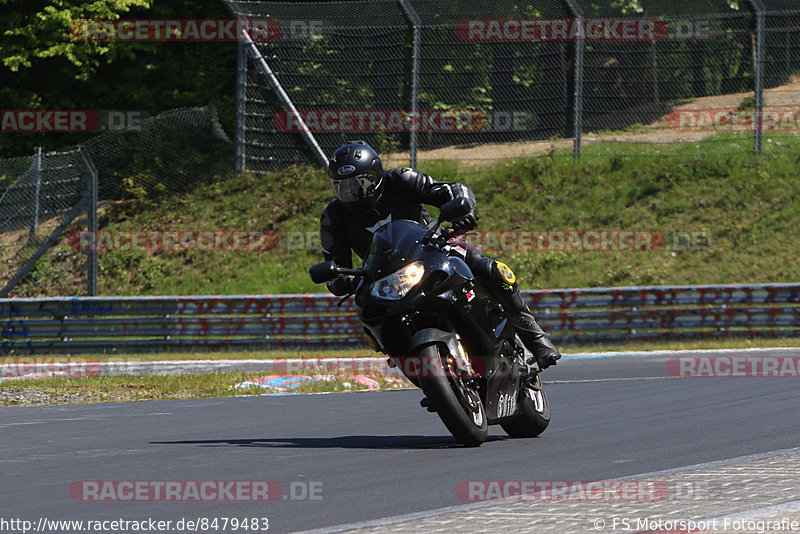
(535, 339)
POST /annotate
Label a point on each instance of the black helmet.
(356, 174)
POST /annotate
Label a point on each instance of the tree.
(34, 31)
(43, 66)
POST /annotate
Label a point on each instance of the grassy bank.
(746, 208)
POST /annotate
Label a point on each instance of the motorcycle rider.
(367, 197)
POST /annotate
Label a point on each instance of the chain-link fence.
(38, 188)
(44, 196)
(41, 195)
(486, 80)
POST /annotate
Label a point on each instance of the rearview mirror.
(322, 272)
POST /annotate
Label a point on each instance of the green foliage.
(143, 186)
(747, 104)
(43, 67)
(386, 143)
(46, 34)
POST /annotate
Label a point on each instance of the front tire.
(458, 405)
(535, 412)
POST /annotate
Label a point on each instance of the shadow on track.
(342, 442)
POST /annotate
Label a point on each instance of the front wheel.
(535, 412)
(459, 406)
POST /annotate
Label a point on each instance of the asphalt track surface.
(375, 455)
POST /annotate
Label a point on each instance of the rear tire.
(535, 412)
(459, 406)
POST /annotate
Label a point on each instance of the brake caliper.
(464, 365)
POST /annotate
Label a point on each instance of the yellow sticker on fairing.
(506, 274)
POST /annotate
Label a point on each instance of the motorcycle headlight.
(397, 285)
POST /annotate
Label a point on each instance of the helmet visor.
(352, 189)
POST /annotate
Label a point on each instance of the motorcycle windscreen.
(393, 246)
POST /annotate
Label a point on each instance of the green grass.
(748, 206)
(96, 389)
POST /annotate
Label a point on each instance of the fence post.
(241, 97)
(758, 75)
(37, 187)
(577, 104)
(91, 212)
(415, 58)
(656, 99)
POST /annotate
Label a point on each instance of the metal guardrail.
(571, 316)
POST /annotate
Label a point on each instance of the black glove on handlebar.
(466, 223)
(344, 284)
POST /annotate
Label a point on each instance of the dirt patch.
(17, 246)
(785, 97)
(12, 242)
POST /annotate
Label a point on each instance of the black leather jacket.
(404, 192)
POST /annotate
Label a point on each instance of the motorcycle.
(421, 305)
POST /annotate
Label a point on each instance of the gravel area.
(40, 398)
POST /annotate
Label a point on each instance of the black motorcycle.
(421, 305)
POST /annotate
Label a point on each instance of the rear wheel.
(535, 412)
(459, 406)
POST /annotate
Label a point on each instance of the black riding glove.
(344, 284)
(467, 222)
